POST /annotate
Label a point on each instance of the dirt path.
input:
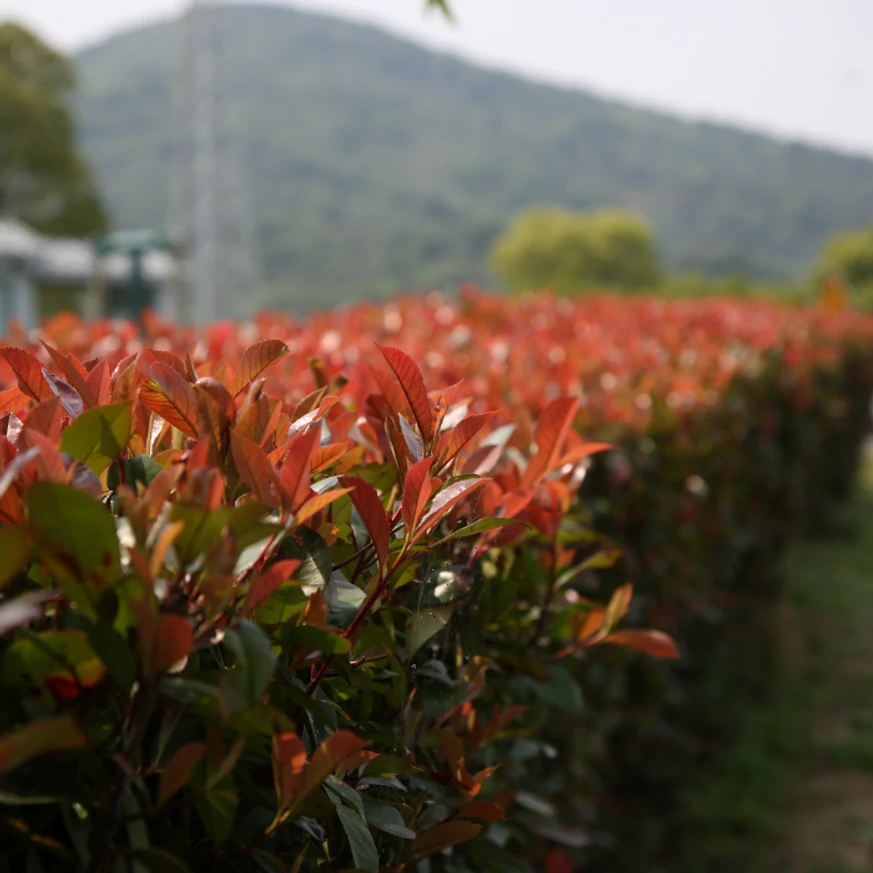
(794, 792)
(827, 825)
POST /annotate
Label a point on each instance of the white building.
(40, 274)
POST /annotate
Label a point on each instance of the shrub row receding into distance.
(295, 637)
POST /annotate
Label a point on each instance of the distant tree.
(571, 251)
(43, 179)
(849, 256)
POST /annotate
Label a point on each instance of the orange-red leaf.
(255, 469)
(289, 763)
(264, 585)
(172, 641)
(318, 502)
(452, 442)
(327, 757)
(167, 394)
(45, 418)
(178, 771)
(13, 400)
(549, 435)
(412, 383)
(99, 382)
(482, 810)
(294, 475)
(445, 501)
(652, 642)
(372, 513)
(54, 734)
(324, 456)
(416, 493)
(255, 360)
(28, 372)
(444, 835)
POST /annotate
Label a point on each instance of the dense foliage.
(255, 619)
(44, 181)
(377, 166)
(251, 632)
(572, 252)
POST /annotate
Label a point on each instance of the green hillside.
(377, 165)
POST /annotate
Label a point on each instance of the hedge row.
(307, 616)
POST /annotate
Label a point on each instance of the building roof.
(70, 261)
(17, 240)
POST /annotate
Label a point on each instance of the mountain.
(375, 165)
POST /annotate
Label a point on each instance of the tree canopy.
(571, 251)
(849, 256)
(44, 181)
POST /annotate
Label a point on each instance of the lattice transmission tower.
(212, 205)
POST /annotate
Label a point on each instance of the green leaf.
(287, 601)
(483, 525)
(422, 625)
(160, 861)
(387, 818)
(65, 656)
(344, 600)
(203, 529)
(75, 538)
(361, 843)
(340, 794)
(14, 549)
(217, 810)
(115, 653)
(99, 436)
(316, 561)
(140, 468)
(308, 637)
(244, 685)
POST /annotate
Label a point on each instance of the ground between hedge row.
(794, 792)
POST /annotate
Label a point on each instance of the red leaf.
(583, 451)
(74, 373)
(328, 756)
(99, 382)
(28, 372)
(294, 476)
(550, 432)
(372, 513)
(444, 835)
(453, 441)
(324, 456)
(318, 502)
(49, 462)
(69, 396)
(255, 469)
(54, 734)
(255, 360)
(172, 641)
(46, 418)
(412, 383)
(289, 763)
(167, 394)
(558, 861)
(445, 501)
(12, 399)
(264, 585)
(482, 810)
(178, 771)
(416, 493)
(652, 642)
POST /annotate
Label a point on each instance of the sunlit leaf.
(372, 513)
(99, 436)
(167, 394)
(412, 384)
(28, 372)
(255, 360)
(651, 642)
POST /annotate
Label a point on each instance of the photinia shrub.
(245, 632)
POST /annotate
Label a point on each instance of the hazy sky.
(801, 68)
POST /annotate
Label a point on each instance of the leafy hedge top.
(629, 361)
(231, 623)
